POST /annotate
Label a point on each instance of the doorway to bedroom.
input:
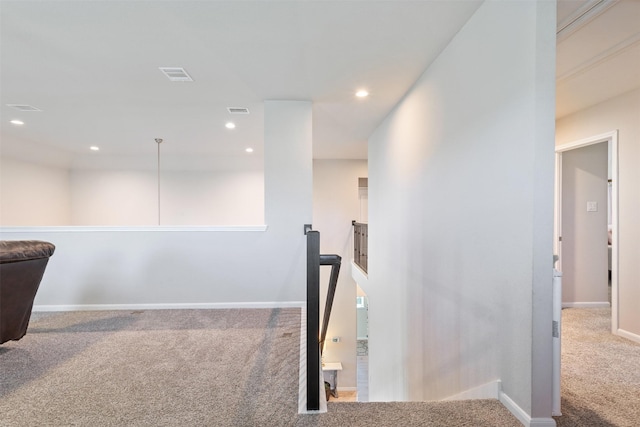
(586, 223)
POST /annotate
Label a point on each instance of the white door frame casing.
(612, 139)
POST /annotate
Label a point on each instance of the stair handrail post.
(313, 319)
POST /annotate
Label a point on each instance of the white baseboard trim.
(597, 304)
(522, 415)
(169, 306)
(493, 390)
(347, 389)
(628, 335)
(490, 390)
(542, 422)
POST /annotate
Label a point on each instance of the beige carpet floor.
(240, 368)
(600, 372)
(185, 368)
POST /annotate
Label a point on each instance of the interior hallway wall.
(460, 220)
(621, 113)
(584, 233)
(188, 198)
(33, 194)
(42, 195)
(335, 205)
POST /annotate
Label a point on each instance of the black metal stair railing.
(334, 261)
(315, 336)
(360, 243)
(313, 320)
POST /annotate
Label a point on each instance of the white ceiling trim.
(582, 17)
(602, 57)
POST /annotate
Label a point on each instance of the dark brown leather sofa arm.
(22, 265)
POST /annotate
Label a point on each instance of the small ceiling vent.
(176, 74)
(23, 107)
(237, 110)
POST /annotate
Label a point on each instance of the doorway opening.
(572, 213)
(362, 349)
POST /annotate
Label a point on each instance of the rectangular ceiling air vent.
(237, 110)
(23, 107)
(176, 74)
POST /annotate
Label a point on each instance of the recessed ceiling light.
(17, 122)
(94, 148)
(362, 93)
(249, 150)
(230, 125)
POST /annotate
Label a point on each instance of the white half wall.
(621, 113)
(173, 266)
(335, 205)
(461, 218)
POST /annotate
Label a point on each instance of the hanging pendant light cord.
(158, 141)
(158, 183)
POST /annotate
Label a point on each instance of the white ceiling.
(598, 54)
(92, 68)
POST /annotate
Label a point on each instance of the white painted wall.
(130, 198)
(41, 195)
(363, 193)
(218, 198)
(460, 218)
(114, 198)
(622, 113)
(335, 205)
(123, 191)
(161, 266)
(33, 194)
(362, 314)
(584, 234)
